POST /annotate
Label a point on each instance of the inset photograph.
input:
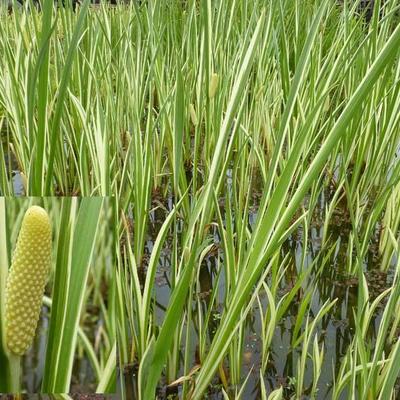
(57, 279)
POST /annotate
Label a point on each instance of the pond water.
(336, 330)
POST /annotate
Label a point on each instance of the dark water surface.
(336, 330)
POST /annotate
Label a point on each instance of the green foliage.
(82, 264)
(224, 130)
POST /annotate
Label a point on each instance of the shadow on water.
(336, 331)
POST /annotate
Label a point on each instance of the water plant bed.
(335, 332)
(252, 152)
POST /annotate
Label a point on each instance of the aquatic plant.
(27, 278)
(83, 264)
(252, 150)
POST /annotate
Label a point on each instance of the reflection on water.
(336, 331)
(18, 185)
